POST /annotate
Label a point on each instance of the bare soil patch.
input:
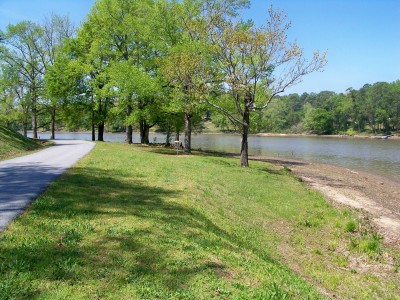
(372, 194)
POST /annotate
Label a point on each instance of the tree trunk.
(25, 128)
(34, 121)
(128, 139)
(244, 149)
(168, 137)
(53, 123)
(144, 132)
(93, 132)
(187, 147)
(100, 134)
(93, 127)
(25, 122)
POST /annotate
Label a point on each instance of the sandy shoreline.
(376, 196)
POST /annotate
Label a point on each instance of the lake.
(376, 156)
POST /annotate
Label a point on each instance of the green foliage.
(284, 114)
(13, 110)
(351, 226)
(372, 109)
(370, 244)
(27, 52)
(135, 87)
(64, 78)
(22, 61)
(318, 120)
(131, 80)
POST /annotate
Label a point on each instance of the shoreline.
(390, 174)
(374, 197)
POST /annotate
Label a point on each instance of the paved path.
(23, 179)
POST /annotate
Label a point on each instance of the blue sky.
(362, 37)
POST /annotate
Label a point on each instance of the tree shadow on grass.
(97, 225)
(164, 150)
(274, 171)
(279, 161)
(195, 152)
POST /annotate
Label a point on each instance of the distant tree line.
(371, 109)
(136, 64)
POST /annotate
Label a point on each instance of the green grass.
(130, 222)
(14, 144)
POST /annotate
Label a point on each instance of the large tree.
(119, 32)
(29, 50)
(20, 51)
(14, 109)
(136, 88)
(258, 63)
(69, 85)
(54, 32)
(88, 52)
(186, 71)
(188, 65)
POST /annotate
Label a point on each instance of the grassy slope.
(13, 143)
(139, 223)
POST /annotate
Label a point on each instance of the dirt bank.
(377, 196)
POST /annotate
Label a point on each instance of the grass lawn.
(131, 222)
(14, 144)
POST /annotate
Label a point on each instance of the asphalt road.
(23, 179)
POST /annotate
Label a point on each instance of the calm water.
(377, 156)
